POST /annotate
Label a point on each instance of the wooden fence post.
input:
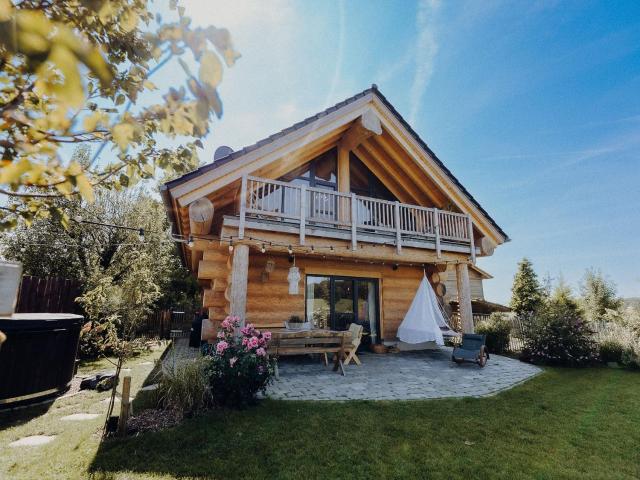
(125, 407)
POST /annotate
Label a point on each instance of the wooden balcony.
(279, 206)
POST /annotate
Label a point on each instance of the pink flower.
(221, 347)
(266, 336)
(245, 341)
(253, 342)
(221, 334)
(232, 361)
(261, 352)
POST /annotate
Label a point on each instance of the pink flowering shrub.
(560, 336)
(238, 366)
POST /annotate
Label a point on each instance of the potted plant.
(296, 323)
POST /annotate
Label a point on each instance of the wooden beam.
(212, 270)
(464, 297)
(384, 143)
(366, 125)
(239, 274)
(344, 173)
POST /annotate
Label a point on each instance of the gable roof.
(373, 90)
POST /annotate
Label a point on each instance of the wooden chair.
(350, 348)
(356, 338)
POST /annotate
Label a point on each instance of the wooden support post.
(354, 222)
(436, 225)
(243, 207)
(239, 274)
(344, 174)
(125, 407)
(303, 212)
(472, 240)
(464, 297)
(396, 214)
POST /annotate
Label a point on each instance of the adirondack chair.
(472, 349)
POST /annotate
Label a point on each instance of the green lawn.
(562, 424)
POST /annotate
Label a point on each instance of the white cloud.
(426, 48)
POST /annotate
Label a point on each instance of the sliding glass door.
(336, 302)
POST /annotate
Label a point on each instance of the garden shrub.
(560, 336)
(97, 339)
(611, 350)
(238, 367)
(184, 388)
(619, 343)
(498, 330)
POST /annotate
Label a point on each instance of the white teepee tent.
(424, 321)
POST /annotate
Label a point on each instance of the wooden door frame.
(332, 278)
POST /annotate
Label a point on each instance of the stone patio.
(399, 376)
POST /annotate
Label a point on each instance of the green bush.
(560, 336)
(619, 343)
(498, 330)
(184, 388)
(611, 350)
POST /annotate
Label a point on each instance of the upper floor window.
(321, 172)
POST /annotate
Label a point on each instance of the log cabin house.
(333, 219)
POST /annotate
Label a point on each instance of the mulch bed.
(154, 419)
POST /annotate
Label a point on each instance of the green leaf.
(210, 69)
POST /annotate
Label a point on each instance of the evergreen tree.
(526, 292)
(598, 295)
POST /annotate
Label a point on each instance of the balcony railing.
(304, 205)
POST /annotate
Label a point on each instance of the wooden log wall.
(269, 303)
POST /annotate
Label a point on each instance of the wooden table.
(293, 342)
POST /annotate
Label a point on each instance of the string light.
(230, 246)
(290, 250)
(190, 241)
(141, 235)
(263, 249)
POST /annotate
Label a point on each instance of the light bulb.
(263, 248)
(290, 250)
(190, 242)
(141, 235)
(230, 246)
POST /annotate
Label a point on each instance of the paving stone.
(33, 441)
(399, 376)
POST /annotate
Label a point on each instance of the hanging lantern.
(270, 266)
(294, 278)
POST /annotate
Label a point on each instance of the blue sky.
(534, 106)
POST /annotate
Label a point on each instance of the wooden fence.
(160, 324)
(48, 295)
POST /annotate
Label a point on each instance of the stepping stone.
(32, 441)
(149, 388)
(145, 363)
(80, 416)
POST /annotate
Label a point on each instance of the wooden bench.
(310, 341)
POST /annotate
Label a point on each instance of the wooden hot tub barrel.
(38, 357)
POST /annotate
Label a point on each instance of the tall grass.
(184, 387)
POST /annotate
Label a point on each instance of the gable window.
(321, 172)
(363, 182)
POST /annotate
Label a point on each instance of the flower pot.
(297, 325)
(10, 278)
